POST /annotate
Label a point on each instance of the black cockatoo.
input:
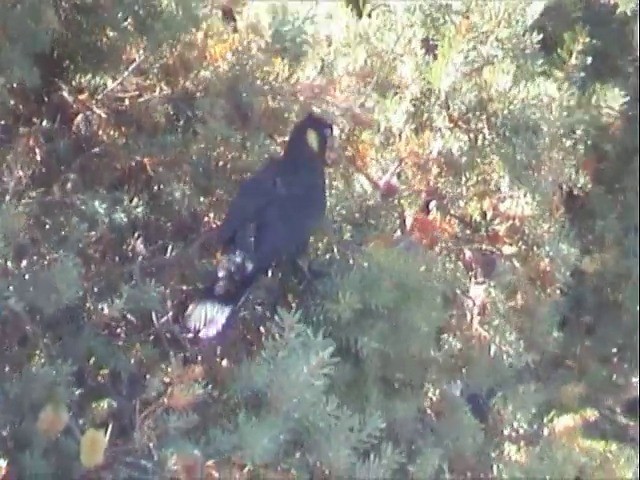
(270, 220)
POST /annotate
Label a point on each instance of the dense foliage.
(476, 313)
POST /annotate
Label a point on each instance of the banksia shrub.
(475, 306)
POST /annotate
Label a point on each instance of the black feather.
(270, 219)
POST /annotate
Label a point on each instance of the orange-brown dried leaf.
(495, 238)
(431, 229)
(174, 73)
(590, 166)
(568, 427)
(181, 397)
(543, 273)
(382, 241)
(310, 90)
(424, 230)
(219, 50)
(506, 210)
(510, 231)
(360, 119)
(187, 466)
(211, 471)
(131, 51)
(447, 226)
(191, 373)
(362, 153)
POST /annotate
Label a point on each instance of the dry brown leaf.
(181, 397)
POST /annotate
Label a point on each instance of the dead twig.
(122, 77)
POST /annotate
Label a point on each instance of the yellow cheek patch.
(313, 139)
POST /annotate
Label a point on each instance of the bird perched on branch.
(270, 220)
